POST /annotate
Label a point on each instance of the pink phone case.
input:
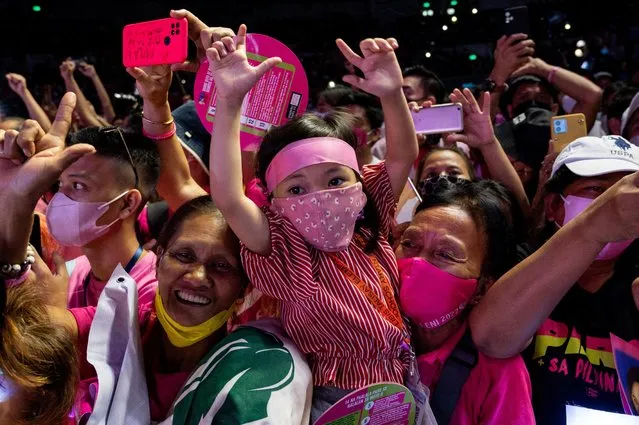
(160, 42)
(439, 119)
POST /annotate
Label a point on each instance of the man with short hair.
(421, 85)
(96, 207)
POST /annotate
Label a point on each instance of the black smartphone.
(516, 21)
(36, 236)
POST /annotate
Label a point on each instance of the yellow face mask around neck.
(185, 336)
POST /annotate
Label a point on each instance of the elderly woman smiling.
(460, 241)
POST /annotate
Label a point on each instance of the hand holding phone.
(159, 42)
(439, 119)
(565, 129)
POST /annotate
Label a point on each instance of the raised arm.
(515, 307)
(383, 78)
(105, 101)
(18, 84)
(511, 53)
(176, 185)
(30, 162)
(479, 134)
(82, 108)
(234, 77)
(585, 92)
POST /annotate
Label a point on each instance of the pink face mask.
(325, 218)
(430, 296)
(73, 223)
(575, 205)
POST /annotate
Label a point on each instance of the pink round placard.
(280, 95)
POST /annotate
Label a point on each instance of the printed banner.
(380, 404)
(627, 365)
(280, 95)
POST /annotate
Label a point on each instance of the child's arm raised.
(234, 77)
(383, 78)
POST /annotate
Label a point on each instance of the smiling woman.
(200, 280)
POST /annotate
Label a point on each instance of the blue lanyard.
(129, 266)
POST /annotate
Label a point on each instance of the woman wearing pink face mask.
(560, 305)
(460, 241)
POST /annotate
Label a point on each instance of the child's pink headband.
(300, 154)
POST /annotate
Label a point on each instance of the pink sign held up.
(279, 96)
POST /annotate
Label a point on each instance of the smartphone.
(159, 42)
(444, 118)
(565, 129)
(516, 21)
(35, 239)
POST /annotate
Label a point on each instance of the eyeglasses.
(128, 152)
(431, 185)
(54, 189)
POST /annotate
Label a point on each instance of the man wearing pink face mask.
(561, 304)
(96, 207)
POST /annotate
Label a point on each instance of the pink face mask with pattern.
(325, 218)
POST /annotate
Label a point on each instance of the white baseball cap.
(594, 156)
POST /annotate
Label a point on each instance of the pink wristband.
(551, 74)
(18, 280)
(163, 136)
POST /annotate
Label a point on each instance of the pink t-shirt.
(143, 272)
(163, 387)
(497, 392)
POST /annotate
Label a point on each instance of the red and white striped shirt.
(348, 342)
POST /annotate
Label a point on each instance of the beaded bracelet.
(13, 271)
(171, 121)
(18, 280)
(163, 136)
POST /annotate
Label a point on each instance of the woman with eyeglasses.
(460, 241)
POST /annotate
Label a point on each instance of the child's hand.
(233, 75)
(379, 65)
(478, 127)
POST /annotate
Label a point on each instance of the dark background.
(34, 43)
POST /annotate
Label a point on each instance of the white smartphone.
(446, 118)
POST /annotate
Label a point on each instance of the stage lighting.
(474, 11)
(453, 19)
(36, 8)
(450, 11)
(567, 26)
(428, 55)
(426, 5)
(472, 57)
(581, 44)
(445, 28)
(579, 53)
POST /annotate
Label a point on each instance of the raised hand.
(35, 176)
(203, 37)
(17, 83)
(67, 68)
(511, 53)
(382, 74)
(614, 215)
(534, 66)
(478, 127)
(87, 70)
(153, 83)
(233, 75)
